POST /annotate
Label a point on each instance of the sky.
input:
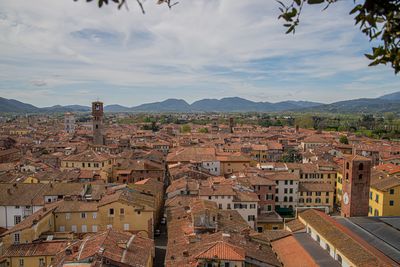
(66, 52)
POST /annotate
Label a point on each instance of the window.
(291, 191)
(318, 193)
(286, 182)
(326, 200)
(318, 239)
(285, 199)
(328, 248)
(290, 199)
(347, 165)
(301, 200)
(83, 215)
(252, 206)
(109, 226)
(361, 167)
(122, 211)
(220, 206)
(111, 212)
(370, 195)
(360, 176)
(285, 190)
(74, 228)
(391, 203)
(126, 227)
(317, 200)
(21, 262)
(84, 228)
(339, 259)
(16, 238)
(370, 210)
(62, 228)
(209, 197)
(291, 182)
(229, 206)
(17, 207)
(88, 164)
(83, 164)
(377, 198)
(391, 191)
(17, 219)
(94, 228)
(251, 218)
(94, 215)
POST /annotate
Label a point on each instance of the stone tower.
(214, 125)
(356, 183)
(69, 123)
(97, 113)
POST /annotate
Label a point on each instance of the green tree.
(186, 128)
(203, 130)
(378, 19)
(343, 139)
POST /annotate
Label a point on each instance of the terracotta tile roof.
(47, 248)
(131, 197)
(346, 242)
(122, 247)
(223, 251)
(315, 187)
(88, 156)
(295, 225)
(22, 194)
(386, 183)
(291, 253)
(76, 206)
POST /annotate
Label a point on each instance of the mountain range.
(385, 103)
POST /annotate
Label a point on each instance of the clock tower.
(97, 114)
(356, 183)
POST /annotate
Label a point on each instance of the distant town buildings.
(106, 191)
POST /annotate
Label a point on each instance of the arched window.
(328, 248)
(318, 239)
(361, 166)
(339, 258)
(347, 165)
(285, 199)
(347, 177)
(290, 199)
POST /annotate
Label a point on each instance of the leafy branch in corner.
(379, 20)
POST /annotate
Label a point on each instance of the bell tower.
(97, 114)
(356, 183)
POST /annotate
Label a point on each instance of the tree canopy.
(378, 19)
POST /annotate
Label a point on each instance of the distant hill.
(116, 108)
(11, 105)
(393, 96)
(385, 103)
(69, 108)
(169, 105)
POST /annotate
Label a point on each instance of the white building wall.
(281, 194)
(214, 167)
(8, 213)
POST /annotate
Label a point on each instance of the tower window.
(347, 165)
(360, 176)
(97, 126)
(361, 167)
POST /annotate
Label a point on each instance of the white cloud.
(233, 46)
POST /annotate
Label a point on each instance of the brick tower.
(356, 182)
(97, 113)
